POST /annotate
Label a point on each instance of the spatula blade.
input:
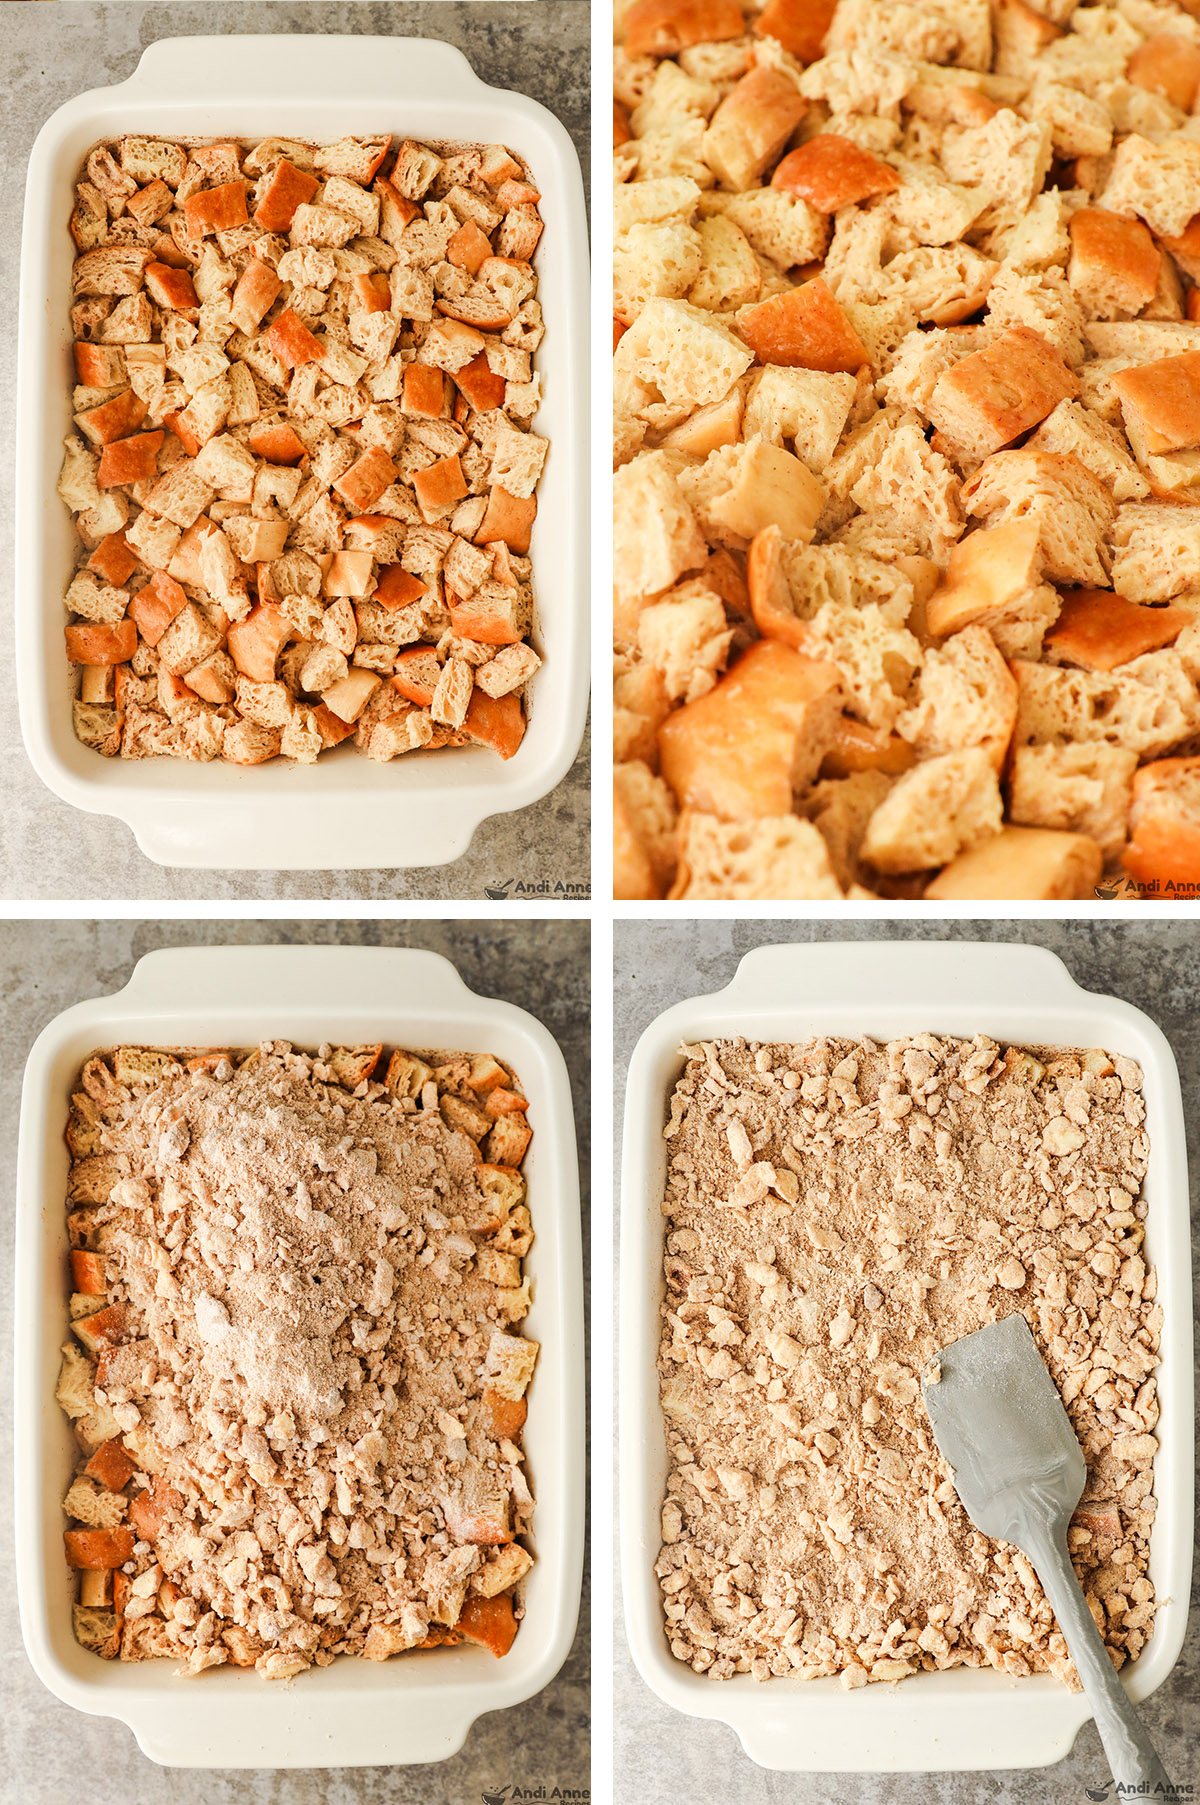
(1000, 1423)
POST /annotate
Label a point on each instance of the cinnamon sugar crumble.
(300, 1386)
(836, 1212)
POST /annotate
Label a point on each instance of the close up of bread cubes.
(296, 1376)
(303, 472)
(907, 449)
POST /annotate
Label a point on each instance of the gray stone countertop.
(1155, 966)
(53, 1755)
(51, 52)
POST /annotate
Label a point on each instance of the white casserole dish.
(354, 1712)
(345, 812)
(965, 1718)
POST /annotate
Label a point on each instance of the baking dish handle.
(177, 978)
(261, 64)
(967, 973)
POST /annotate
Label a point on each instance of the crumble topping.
(836, 1212)
(300, 1385)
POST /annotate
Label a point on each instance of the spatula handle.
(1131, 1754)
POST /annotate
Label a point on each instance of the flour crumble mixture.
(296, 1375)
(836, 1211)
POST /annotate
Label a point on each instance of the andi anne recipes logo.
(515, 889)
(541, 1795)
(1111, 1792)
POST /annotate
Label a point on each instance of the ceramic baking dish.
(346, 811)
(354, 1712)
(963, 1719)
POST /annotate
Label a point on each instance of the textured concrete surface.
(1155, 966)
(47, 848)
(52, 1755)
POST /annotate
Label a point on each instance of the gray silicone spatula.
(1020, 1472)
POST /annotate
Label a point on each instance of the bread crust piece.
(1161, 404)
(1099, 630)
(1114, 263)
(1164, 846)
(742, 750)
(830, 171)
(1030, 864)
(993, 396)
(803, 326)
(752, 125)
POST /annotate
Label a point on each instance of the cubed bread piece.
(944, 284)
(674, 359)
(1099, 630)
(1163, 853)
(842, 606)
(1114, 263)
(1072, 508)
(840, 808)
(719, 423)
(808, 407)
(912, 492)
(993, 396)
(659, 261)
(1167, 63)
(656, 537)
(1022, 864)
(778, 226)
(752, 125)
(759, 735)
(640, 706)
(799, 25)
(965, 696)
(1042, 300)
(1156, 551)
(1008, 155)
(942, 807)
(1161, 404)
(740, 489)
(831, 172)
(687, 637)
(644, 834)
(1074, 429)
(1157, 182)
(803, 326)
(1148, 706)
(729, 275)
(665, 27)
(776, 858)
(1081, 789)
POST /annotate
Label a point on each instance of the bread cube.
(1022, 864)
(760, 734)
(831, 172)
(1115, 263)
(1147, 706)
(644, 834)
(656, 537)
(1072, 508)
(993, 396)
(942, 807)
(777, 858)
(803, 326)
(1157, 182)
(740, 489)
(1161, 404)
(965, 696)
(1163, 853)
(1099, 630)
(752, 125)
(1075, 429)
(1156, 551)
(1081, 789)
